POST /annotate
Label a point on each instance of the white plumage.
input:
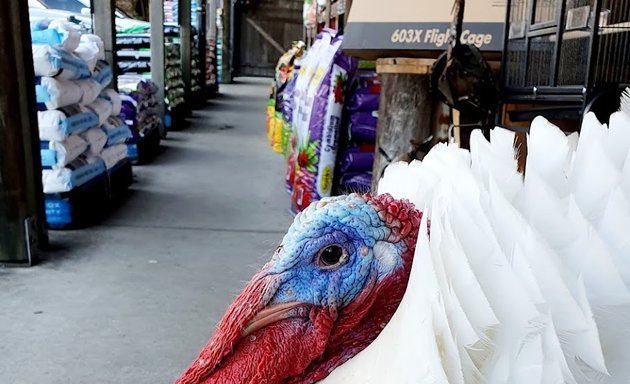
(523, 280)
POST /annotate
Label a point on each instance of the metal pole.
(186, 44)
(105, 27)
(22, 218)
(156, 17)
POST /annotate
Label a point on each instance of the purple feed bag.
(369, 119)
(361, 133)
(355, 161)
(317, 142)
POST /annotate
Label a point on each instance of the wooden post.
(226, 70)
(327, 13)
(156, 17)
(22, 218)
(213, 34)
(186, 45)
(202, 33)
(405, 113)
(105, 28)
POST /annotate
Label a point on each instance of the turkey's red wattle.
(253, 298)
(280, 350)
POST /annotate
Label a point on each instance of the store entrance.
(265, 31)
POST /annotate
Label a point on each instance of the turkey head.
(328, 291)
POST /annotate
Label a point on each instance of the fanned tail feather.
(524, 279)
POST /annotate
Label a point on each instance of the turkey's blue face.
(336, 278)
(332, 250)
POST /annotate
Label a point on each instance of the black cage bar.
(565, 51)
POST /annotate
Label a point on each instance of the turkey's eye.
(332, 256)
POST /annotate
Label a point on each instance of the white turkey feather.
(618, 142)
(522, 279)
(613, 230)
(555, 367)
(510, 238)
(624, 105)
(599, 269)
(593, 175)
(538, 259)
(549, 153)
(471, 298)
(625, 176)
(489, 161)
(446, 326)
(502, 142)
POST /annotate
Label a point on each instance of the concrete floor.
(134, 299)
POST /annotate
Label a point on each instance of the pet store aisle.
(133, 299)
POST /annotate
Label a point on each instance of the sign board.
(378, 28)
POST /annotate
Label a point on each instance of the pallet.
(89, 203)
(80, 207)
(146, 148)
(120, 178)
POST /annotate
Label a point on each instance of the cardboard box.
(420, 28)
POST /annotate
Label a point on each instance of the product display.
(212, 64)
(277, 122)
(74, 108)
(134, 58)
(305, 115)
(139, 112)
(317, 142)
(322, 116)
(357, 154)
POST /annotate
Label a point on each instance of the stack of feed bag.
(196, 75)
(210, 76)
(174, 92)
(139, 111)
(74, 106)
(133, 52)
(356, 159)
(171, 11)
(219, 47)
(194, 13)
(196, 70)
(134, 58)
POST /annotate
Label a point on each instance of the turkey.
(461, 270)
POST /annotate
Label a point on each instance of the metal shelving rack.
(566, 57)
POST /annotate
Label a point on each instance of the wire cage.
(566, 53)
